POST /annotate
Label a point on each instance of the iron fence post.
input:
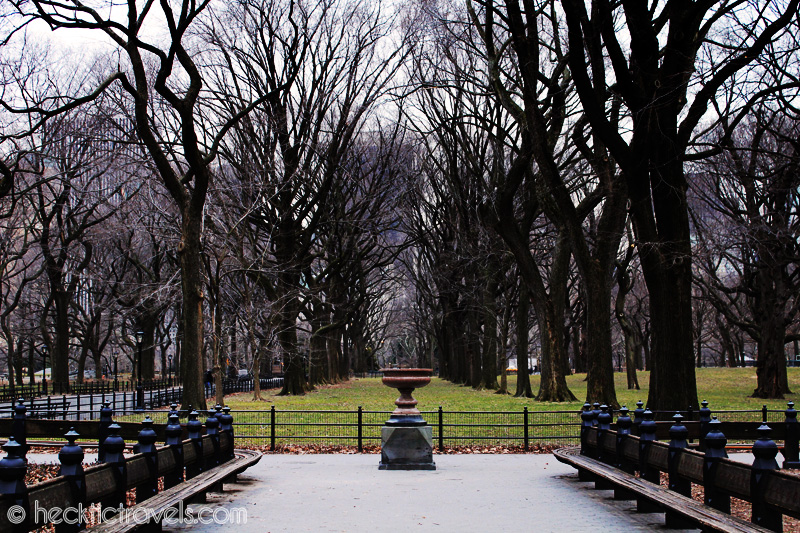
(525, 425)
(790, 444)
(147, 447)
(194, 429)
(12, 482)
(765, 450)
(272, 428)
(173, 434)
(115, 446)
(715, 442)
(677, 445)
(441, 429)
(360, 430)
(71, 459)
(20, 417)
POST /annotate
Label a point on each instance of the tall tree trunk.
(673, 384)
(217, 352)
(502, 352)
(523, 377)
(59, 358)
(600, 382)
(294, 380)
(489, 352)
(317, 348)
(665, 254)
(473, 344)
(192, 283)
(771, 361)
(550, 315)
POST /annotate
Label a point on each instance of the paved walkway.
(467, 493)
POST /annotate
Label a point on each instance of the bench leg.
(154, 526)
(646, 506)
(623, 494)
(676, 521)
(200, 497)
(602, 484)
(585, 475)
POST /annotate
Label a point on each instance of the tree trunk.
(672, 379)
(217, 354)
(489, 352)
(550, 315)
(523, 377)
(771, 364)
(771, 360)
(553, 387)
(600, 382)
(192, 283)
(59, 358)
(317, 352)
(294, 380)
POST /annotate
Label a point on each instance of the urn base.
(407, 448)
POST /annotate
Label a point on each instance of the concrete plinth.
(407, 448)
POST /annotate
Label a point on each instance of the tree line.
(335, 186)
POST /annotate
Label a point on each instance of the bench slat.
(699, 513)
(182, 492)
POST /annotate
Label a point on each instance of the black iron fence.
(231, 386)
(50, 388)
(523, 429)
(87, 406)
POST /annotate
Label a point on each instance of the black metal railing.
(231, 386)
(523, 429)
(87, 406)
(50, 388)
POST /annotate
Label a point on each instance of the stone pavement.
(467, 493)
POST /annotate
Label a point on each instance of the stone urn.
(405, 380)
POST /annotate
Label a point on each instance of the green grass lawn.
(724, 388)
(327, 416)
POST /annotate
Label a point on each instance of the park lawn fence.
(522, 429)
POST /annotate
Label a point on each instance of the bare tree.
(655, 72)
(746, 220)
(334, 63)
(180, 150)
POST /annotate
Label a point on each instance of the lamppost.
(139, 389)
(44, 365)
(169, 369)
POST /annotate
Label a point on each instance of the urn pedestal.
(406, 439)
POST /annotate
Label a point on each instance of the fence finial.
(194, 429)
(71, 458)
(678, 433)
(212, 429)
(20, 433)
(791, 441)
(226, 426)
(765, 450)
(172, 434)
(13, 468)
(715, 442)
(115, 446)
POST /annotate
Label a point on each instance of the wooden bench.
(667, 501)
(190, 467)
(185, 492)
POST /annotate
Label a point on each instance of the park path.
(467, 493)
